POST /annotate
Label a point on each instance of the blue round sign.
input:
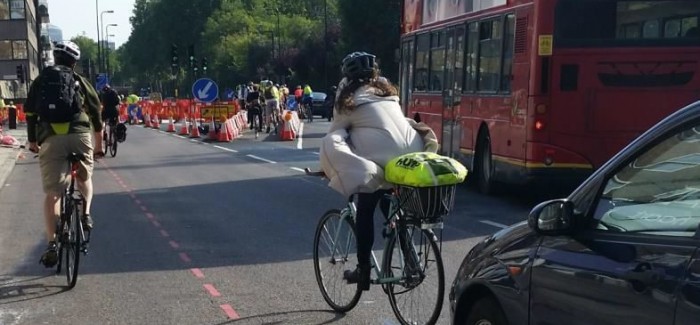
(205, 90)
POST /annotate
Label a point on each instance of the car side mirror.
(553, 218)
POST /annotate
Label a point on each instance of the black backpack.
(60, 96)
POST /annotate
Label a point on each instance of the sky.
(77, 17)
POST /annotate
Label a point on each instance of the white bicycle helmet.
(69, 48)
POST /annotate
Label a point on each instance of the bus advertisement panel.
(548, 90)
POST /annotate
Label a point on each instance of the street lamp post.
(97, 21)
(101, 53)
(106, 48)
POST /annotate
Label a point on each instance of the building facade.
(19, 46)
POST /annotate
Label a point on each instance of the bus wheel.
(484, 166)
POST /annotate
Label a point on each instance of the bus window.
(422, 55)
(437, 60)
(625, 22)
(471, 57)
(508, 53)
(459, 59)
(651, 29)
(490, 41)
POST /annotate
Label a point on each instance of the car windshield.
(658, 191)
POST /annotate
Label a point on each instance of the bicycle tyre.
(428, 244)
(113, 147)
(60, 225)
(72, 247)
(345, 289)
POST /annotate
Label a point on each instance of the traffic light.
(190, 54)
(174, 56)
(20, 73)
(85, 65)
(204, 65)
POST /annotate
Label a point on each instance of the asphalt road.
(196, 233)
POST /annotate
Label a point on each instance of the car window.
(658, 192)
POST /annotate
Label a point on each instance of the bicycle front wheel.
(113, 147)
(72, 246)
(417, 298)
(335, 250)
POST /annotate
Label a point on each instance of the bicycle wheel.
(418, 297)
(60, 230)
(72, 246)
(332, 256)
(113, 147)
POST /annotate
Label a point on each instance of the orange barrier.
(290, 125)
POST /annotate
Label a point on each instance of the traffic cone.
(195, 130)
(224, 133)
(171, 125)
(212, 131)
(156, 122)
(183, 128)
(147, 121)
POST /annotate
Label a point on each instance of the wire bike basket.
(426, 203)
(425, 183)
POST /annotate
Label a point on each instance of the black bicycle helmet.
(358, 65)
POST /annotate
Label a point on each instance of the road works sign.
(205, 90)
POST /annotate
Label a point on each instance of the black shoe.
(87, 222)
(267, 130)
(50, 256)
(360, 276)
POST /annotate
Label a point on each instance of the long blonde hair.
(380, 87)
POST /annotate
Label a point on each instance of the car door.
(688, 310)
(625, 262)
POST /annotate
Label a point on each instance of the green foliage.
(252, 40)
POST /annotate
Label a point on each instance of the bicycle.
(411, 258)
(71, 237)
(308, 112)
(110, 139)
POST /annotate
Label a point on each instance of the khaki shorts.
(54, 164)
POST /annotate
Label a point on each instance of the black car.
(623, 248)
(318, 104)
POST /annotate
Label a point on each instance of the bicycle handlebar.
(319, 173)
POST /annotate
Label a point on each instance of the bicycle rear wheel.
(418, 297)
(332, 256)
(72, 246)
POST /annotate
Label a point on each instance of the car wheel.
(486, 311)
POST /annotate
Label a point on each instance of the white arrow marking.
(203, 92)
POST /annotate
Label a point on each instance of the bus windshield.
(607, 23)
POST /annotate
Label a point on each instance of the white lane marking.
(495, 224)
(262, 159)
(225, 149)
(194, 140)
(298, 169)
(181, 136)
(300, 140)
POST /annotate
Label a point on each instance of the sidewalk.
(9, 156)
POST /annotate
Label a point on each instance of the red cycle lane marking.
(212, 291)
(232, 314)
(197, 273)
(185, 258)
(227, 309)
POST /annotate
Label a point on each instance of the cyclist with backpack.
(110, 108)
(62, 109)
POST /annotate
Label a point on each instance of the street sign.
(102, 81)
(205, 90)
(228, 94)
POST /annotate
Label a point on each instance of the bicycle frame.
(389, 231)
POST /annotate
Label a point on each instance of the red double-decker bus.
(545, 90)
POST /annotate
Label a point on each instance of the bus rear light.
(539, 125)
(541, 108)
